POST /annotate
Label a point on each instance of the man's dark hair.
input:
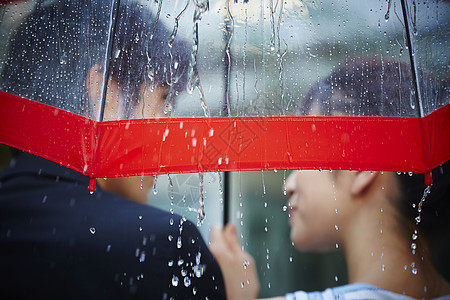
(382, 87)
(53, 50)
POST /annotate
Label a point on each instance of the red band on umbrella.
(183, 145)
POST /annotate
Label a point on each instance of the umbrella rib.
(112, 32)
(412, 60)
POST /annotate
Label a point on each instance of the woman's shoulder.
(352, 291)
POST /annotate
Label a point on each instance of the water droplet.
(179, 242)
(92, 230)
(170, 237)
(155, 180)
(414, 271)
(194, 291)
(337, 246)
(284, 208)
(171, 221)
(170, 263)
(175, 280)
(382, 267)
(108, 248)
(413, 246)
(199, 270)
(246, 264)
(336, 227)
(187, 281)
(336, 278)
(63, 59)
(183, 272)
(142, 257)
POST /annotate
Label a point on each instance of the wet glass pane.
(229, 58)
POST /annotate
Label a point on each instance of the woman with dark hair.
(383, 222)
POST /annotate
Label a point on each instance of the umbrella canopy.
(79, 79)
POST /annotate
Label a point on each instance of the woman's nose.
(290, 184)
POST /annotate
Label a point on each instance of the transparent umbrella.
(236, 77)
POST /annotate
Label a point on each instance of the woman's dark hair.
(373, 86)
(53, 50)
(381, 87)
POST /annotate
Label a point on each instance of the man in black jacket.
(56, 239)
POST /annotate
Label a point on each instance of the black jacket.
(59, 241)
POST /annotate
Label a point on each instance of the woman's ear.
(362, 181)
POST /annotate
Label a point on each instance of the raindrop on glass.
(170, 237)
(155, 190)
(382, 267)
(246, 264)
(179, 242)
(92, 230)
(63, 59)
(170, 263)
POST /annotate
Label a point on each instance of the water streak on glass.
(387, 15)
(201, 209)
(201, 7)
(172, 65)
(150, 70)
(229, 27)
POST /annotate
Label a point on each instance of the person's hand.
(238, 267)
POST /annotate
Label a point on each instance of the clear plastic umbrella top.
(144, 87)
